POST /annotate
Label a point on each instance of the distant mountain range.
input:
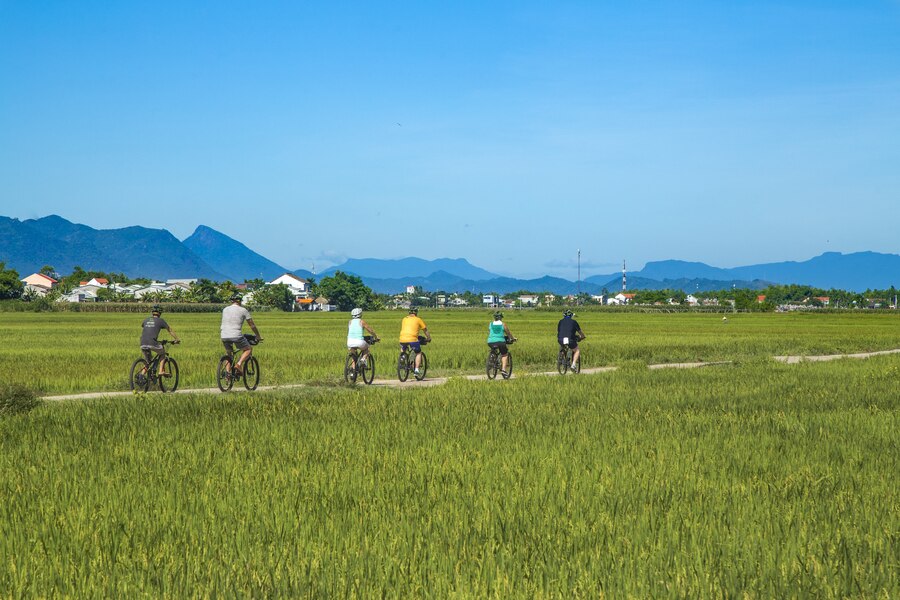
(135, 251)
(141, 252)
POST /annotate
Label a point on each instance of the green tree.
(10, 286)
(276, 296)
(346, 292)
(205, 290)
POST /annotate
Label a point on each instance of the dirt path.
(791, 360)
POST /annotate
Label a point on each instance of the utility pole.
(578, 286)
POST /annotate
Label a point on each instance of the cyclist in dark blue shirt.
(568, 333)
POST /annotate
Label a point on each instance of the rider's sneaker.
(574, 366)
(504, 373)
(362, 362)
(416, 371)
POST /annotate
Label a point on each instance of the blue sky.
(509, 133)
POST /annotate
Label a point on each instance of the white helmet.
(356, 312)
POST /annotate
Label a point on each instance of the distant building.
(38, 283)
(528, 300)
(298, 285)
(490, 300)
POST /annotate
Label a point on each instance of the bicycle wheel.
(169, 384)
(508, 373)
(403, 366)
(562, 362)
(368, 370)
(423, 369)
(251, 373)
(138, 377)
(491, 365)
(350, 368)
(223, 374)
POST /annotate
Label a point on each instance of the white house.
(623, 298)
(298, 285)
(38, 283)
(154, 287)
(410, 289)
(456, 300)
(692, 300)
(528, 300)
(490, 299)
(80, 294)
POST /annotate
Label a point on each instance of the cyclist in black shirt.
(150, 329)
(568, 333)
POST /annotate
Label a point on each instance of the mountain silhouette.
(230, 257)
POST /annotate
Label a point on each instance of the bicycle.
(145, 373)
(564, 360)
(225, 374)
(354, 366)
(495, 361)
(406, 362)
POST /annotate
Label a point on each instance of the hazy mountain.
(141, 252)
(306, 274)
(857, 271)
(135, 251)
(230, 257)
(410, 267)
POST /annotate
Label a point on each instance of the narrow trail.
(412, 383)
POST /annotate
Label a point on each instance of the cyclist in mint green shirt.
(498, 336)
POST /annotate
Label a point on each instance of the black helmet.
(413, 310)
(568, 313)
(498, 315)
(156, 309)
(235, 297)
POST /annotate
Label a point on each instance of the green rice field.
(751, 479)
(72, 352)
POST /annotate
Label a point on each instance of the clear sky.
(509, 133)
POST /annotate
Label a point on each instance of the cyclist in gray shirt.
(233, 317)
(150, 329)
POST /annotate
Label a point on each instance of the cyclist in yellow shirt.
(409, 334)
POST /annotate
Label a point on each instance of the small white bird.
(724, 319)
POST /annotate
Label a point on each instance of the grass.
(750, 480)
(72, 352)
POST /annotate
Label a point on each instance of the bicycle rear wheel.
(368, 370)
(251, 373)
(403, 366)
(508, 372)
(138, 376)
(223, 374)
(562, 362)
(169, 384)
(350, 368)
(491, 365)
(422, 369)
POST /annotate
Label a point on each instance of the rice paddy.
(752, 479)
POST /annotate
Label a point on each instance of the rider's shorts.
(361, 344)
(570, 342)
(500, 346)
(158, 348)
(240, 342)
(416, 346)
